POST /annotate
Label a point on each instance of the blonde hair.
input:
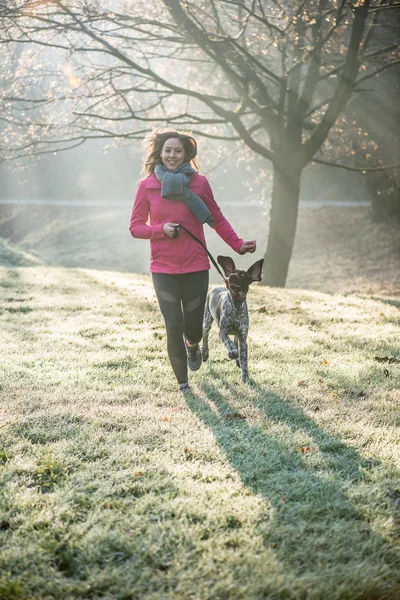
(154, 143)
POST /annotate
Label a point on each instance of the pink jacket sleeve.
(140, 216)
(222, 226)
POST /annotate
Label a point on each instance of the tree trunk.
(282, 223)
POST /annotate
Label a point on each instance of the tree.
(272, 75)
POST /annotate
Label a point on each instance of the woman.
(174, 193)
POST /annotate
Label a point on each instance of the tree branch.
(341, 94)
(349, 168)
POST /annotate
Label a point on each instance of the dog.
(228, 307)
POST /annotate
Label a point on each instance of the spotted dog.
(228, 307)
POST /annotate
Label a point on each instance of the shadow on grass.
(318, 526)
(10, 278)
(391, 302)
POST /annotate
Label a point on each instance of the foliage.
(385, 194)
(229, 70)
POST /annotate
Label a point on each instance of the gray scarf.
(175, 186)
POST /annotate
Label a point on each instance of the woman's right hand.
(168, 229)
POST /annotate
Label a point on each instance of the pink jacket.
(181, 254)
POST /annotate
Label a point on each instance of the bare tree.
(272, 75)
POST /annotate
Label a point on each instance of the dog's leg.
(236, 342)
(207, 322)
(243, 358)
(225, 339)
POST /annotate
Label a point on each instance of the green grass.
(115, 486)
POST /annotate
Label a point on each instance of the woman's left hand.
(248, 247)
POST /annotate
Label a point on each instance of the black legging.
(181, 299)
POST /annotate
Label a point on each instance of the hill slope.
(337, 249)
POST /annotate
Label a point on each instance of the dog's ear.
(255, 270)
(227, 264)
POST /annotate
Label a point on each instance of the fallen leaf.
(388, 359)
(301, 383)
(138, 474)
(324, 362)
(361, 395)
(320, 381)
(132, 533)
(262, 309)
(231, 416)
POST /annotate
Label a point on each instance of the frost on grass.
(113, 483)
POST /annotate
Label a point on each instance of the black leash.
(177, 227)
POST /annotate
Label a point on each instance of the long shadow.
(390, 301)
(308, 505)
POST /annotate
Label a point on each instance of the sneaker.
(184, 387)
(194, 356)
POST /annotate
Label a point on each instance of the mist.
(72, 208)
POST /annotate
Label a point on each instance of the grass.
(337, 249)
(114, 486)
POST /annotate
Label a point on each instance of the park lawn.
(115, 486)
